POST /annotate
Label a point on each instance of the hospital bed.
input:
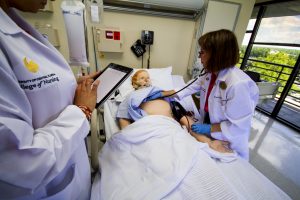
(144, 171)
(111, 107)
(107, 113)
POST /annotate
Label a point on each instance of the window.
(271, 47)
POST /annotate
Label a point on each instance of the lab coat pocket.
(67, 188)
(219, 108)
(223, 108)
(219, 101)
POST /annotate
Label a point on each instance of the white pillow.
(160, 77)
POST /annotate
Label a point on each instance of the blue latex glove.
(153, 96)
(203, 129)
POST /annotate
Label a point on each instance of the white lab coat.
(232, 107)
(43, 154)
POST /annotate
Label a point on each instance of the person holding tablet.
(43, 121)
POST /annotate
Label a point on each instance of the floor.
(275, 151)
(287, 112)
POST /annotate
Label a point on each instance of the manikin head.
(140, 79)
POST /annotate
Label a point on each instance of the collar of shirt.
(8, 26)
(222, 75)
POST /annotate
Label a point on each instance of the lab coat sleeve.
(242, 99)
(192, 89)
(31, 158)
(36, 156)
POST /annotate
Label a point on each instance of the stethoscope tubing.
(202, 73)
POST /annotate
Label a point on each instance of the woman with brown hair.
(227, 95)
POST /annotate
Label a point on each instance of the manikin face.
(143, 80)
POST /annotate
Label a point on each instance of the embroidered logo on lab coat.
(31, 65)
(39, 82)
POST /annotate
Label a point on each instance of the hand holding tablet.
(110, 79)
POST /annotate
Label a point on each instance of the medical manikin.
(168, 107)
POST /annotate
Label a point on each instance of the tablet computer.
(110, 79)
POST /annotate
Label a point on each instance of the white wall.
(243, 19)
(229, 14)
(173, 38)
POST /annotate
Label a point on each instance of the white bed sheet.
(233, 180)
(155, 158)
(111, 107)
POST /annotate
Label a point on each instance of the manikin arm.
(218, 145)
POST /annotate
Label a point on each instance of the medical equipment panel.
(109, 39)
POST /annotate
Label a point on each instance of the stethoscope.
(202, 73)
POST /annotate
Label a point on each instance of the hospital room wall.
(173, 38)
(229, 14)
(243, 18)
